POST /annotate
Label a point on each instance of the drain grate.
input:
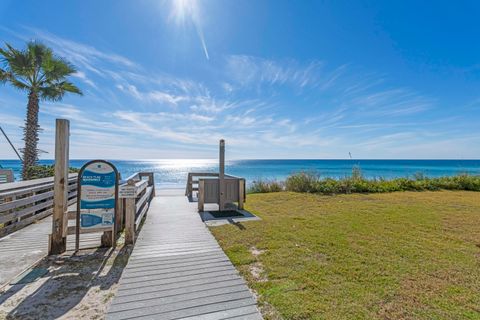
(226, 214)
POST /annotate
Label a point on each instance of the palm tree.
(43, 75)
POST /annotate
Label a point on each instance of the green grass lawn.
(402, 255)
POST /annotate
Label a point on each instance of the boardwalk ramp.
(177, 270)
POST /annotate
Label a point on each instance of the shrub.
(259, 186)
(44, 171)
(357, 172)
(312, 183)
(302, 182)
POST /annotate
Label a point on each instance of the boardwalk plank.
(243, 313)
(125, 291)
(175, 289)
(177, 270)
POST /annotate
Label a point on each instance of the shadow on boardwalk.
(75, 286)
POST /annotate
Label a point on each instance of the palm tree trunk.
(30, 134)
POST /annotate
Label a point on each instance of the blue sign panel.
(97, 199)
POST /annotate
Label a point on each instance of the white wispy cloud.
(79, 53)
(267, 107)
(247, 70)
(82, 76)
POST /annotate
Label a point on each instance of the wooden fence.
(24, 202)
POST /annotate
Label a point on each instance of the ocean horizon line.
(266, 159)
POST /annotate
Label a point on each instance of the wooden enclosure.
(219, 188)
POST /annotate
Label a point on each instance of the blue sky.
(276, 79)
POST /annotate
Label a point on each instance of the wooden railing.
(194, 177)
(24, 202)
(136, 207)
(6, 176)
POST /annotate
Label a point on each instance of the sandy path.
(75, 287)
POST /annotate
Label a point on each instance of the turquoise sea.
(172, 173)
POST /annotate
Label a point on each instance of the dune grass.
(312, 182)
(403, 255)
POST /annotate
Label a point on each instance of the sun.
(184, 9)
(183, 12)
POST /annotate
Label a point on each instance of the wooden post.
(130, 221)
(188, 189)
(221, 176)
(151, 181)
(123, 213)
(107, 239)
(201, 194)
(119, 217)
(241, 193)
(117, 222)
(60, 190)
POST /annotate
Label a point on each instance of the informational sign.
(127, 191)
(98, 181)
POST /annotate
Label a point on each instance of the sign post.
(58, 238)
(97, 198)
(221, 176)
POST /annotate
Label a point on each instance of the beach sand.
(75, 287)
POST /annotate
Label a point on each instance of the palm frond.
(3, 76)
(56, 91)
(56, 69)
(38, 52)
(17, 62)
(37, 69)
(19, 84)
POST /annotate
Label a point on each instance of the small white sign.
(127, 191)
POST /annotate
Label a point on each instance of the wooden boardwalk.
(21, 249)
(178, 271)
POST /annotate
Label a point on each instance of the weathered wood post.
(241, 193)
(118, 226)
(221, 176)
(201, 194)
(58, 238)
(130, 211)
(188, 189)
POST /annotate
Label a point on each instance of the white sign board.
(127, 191)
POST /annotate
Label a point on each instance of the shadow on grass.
(68, 281)
(239, 225)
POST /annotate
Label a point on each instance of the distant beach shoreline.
(171, 174)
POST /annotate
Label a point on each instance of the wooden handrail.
(10, 186)
(136, 208)
(24, 202)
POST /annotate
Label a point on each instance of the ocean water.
(173, 173)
